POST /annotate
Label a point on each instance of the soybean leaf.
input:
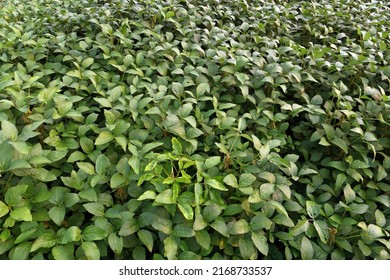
(146, 238)
(260, 241)
(307, 250)
(91, 251)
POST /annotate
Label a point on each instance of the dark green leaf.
(203, 239)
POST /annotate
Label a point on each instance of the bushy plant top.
(194, 129)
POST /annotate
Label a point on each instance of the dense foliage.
(194, 129)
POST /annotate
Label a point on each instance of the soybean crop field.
(194, 129)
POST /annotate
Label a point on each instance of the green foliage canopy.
(194, 129)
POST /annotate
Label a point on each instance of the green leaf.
(21, 214)
(146, 238)
(86, 145)
(57, 214)
(116, 243)
(307, 250)
(260, 242)
(322, 230)
(313, 209)
(256, 142)
(117, 180)
(147, 195)
(358, 208)
(92, 233)
(165, 197)
(366, 251)
(91, 251)
(370, 137)
(382, 174)
(86, 167)
(173, 124)
(341, 144)
(45, 240)
(104, 138)
(283, 220)
(231, 180)
(215, 184)
(324, 142)
(199, 222)
(246, 248)
(70, 235)
(340, 180)
(19, 164)
(211, 162)
(87, 62)
(150, 146)
(94, 208)
(43, 175)
(203, 239)
(63, 252)
(4, 210)
(170, 248)
(349, 194)
(379, 217)
(21, 147)
(183, 230)
(14, 195)
(300, 227)
(220, 225)
(163, 225)
(129, 227)
(239, 227)
(139, 253)
(260, 222)
(21, 252)
(211, 212)
(202, 88)
(9, 130)
(246, 180)
(374, 231)
(186, 210)
(102, 164)
(329, 131)
(343, 243)
(176, 145)
(278, 206)
(135, 163)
